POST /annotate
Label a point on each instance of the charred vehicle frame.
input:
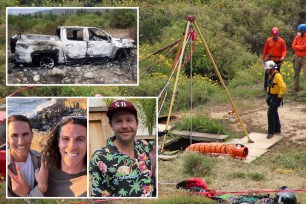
(70, 44)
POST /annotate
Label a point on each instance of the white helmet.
(270, 65)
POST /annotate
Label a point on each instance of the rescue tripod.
(177, 64)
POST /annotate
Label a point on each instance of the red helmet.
(275, 32)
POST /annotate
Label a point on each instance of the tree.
(146, 108)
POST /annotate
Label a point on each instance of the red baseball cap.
(120, 105)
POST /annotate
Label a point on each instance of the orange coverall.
(275, 49)
(299, 60)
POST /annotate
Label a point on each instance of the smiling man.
(66, 155)
(27, 177)
(123, 168)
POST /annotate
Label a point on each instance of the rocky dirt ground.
(109, 72)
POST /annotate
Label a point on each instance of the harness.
(270, 83)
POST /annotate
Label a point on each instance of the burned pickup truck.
(70, 44)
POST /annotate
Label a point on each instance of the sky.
(23, 10)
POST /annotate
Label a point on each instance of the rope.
(249, 192)
(149, 66)
(2, 100)
(190, 56)
(160, 50)
(191, 102)
(22, 88)
(169, 79)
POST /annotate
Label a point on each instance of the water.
(27, 106)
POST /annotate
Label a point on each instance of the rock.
(78, 69)
(66, 81)
(101, 79)
(118, 73)
(36, 78)
(92, 73)
(49, 116)
(108, 65)
(57, 72)
(46, 127)
(116, 80)
(89, 75)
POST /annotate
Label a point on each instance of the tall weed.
(195, 164)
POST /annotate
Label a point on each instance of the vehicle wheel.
(121, 55)
(47, 62)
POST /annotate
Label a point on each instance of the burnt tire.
(122, 54)
(47, 62)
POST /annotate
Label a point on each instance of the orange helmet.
(275, 32)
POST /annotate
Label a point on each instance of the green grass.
(256, 176)
(290, 159)
(195, 164)
(238, 175)
(201, 124)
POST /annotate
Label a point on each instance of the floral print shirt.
(115, 174)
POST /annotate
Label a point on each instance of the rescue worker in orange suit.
(276, 88)
(275, 50)
(299, 60)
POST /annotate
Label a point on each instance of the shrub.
(195, 164)
(256, 176)
(123, 18)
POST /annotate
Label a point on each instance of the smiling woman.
(66, 156)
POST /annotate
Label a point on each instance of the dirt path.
(292, 115)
